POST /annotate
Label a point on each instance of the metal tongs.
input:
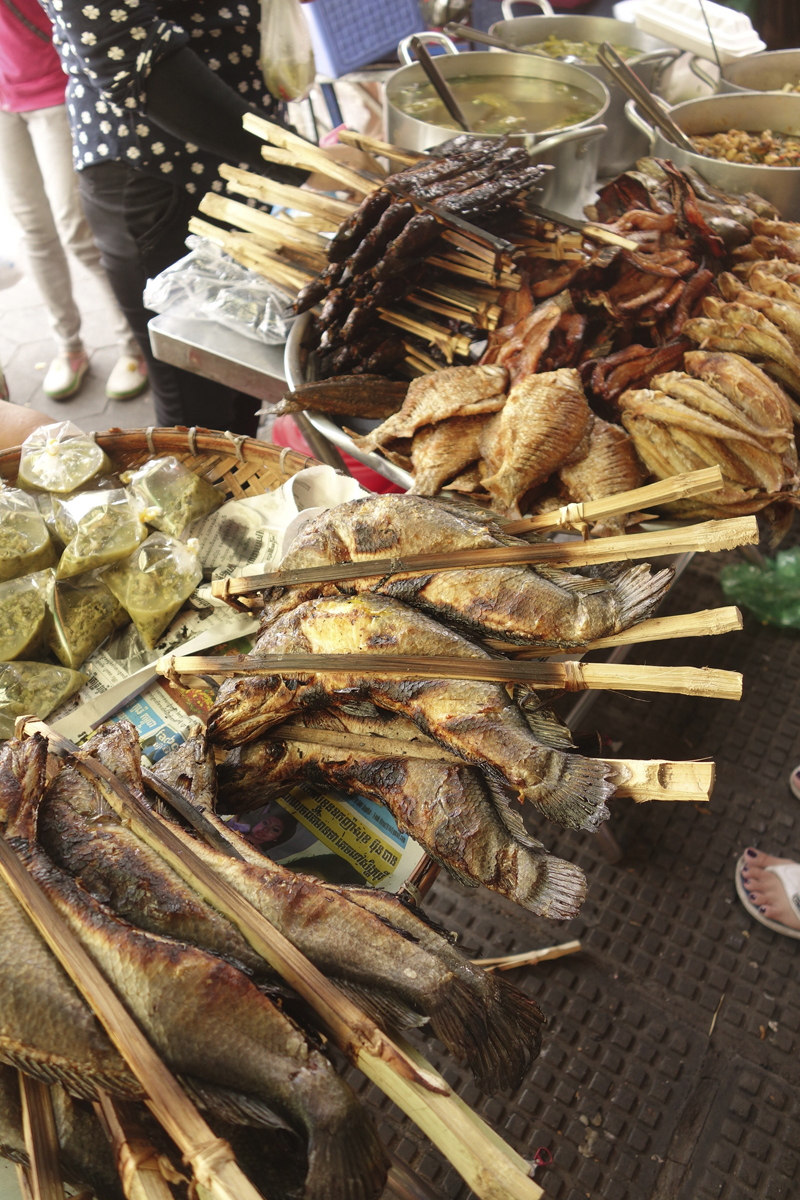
(630, 82)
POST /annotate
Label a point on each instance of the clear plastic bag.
(85, 613)
(771, 592)
(108, 526)
(153, 583)
(24, 615)
(33, 688)
(206, 284)
(287, 57)
(174, 495)
(60, 458)
(25, 543)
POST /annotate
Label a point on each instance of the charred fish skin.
(475, 720)
(445, 807)
(402, 976)
(514, 603)
(236, 1037)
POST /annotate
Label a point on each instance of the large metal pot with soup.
(747, 142)
(554, 109)
(577, 39)
(771, 71)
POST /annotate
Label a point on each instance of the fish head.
(23, 777)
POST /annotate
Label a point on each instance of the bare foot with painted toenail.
(765, 889)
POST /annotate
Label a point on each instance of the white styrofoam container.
(680, 23)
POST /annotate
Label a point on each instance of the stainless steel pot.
(620, 148)
(766, 72)
(573, 151)
(751, 111)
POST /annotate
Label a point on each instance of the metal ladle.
(455, 30)
(437, 80)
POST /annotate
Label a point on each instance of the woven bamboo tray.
(239, 466)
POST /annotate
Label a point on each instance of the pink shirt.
(30, 71)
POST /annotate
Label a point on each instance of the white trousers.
(41, 190)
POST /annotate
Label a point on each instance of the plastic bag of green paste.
(772, 593)
(60, 458)
(85, 613)
(24, 615)
(153, 583)
(108, 526)
(33, 688)
(25, 544)
(182, 496)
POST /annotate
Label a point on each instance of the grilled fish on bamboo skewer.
(476, 721)
(352, 935)
(236, 1039)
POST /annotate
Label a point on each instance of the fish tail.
(494, 1026)
(638, 593)
(22, 782)
(546, 885)
(574, 794)
(346, 1161)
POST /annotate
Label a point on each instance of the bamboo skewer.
(489, 1166)
(250, 219)
(450, 344)
(268, 191)
(371, 145)
(678, 487)
(707, 536)
(250, 255)
(297, 152)
(23, 1181)
(568, 676)
(707, 623)
(137, 1161)
(211, 1158)
(528, 958)
(41, 1139)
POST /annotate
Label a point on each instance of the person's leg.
(140, 225)
(52, 142)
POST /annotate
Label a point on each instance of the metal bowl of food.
(578, 39)
(772, 71)
(554, 109)
(717, 122)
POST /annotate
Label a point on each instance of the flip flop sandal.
(789, 875)
(794, 783)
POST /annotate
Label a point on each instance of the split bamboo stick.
(425, 359)
(447, 310)
(490, 1167)
(678, 487)
(707, 536)
(371, 145)
(137, 1161)
(211, 1158)
(469, 246)
(268, 191)
(567, 676)
(23, 1181)
(707, 623)
(450, 344)
(222, 208)
(528, 958)
(250, 255)
(41, 1139)
(295, 151)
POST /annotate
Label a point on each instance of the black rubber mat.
(634, 1095)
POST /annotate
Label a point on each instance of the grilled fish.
(477, 721)
(750, 390)
(441, 452)
(236, 1038)
(347, 395)
(402, 978)
(446, 807)
(538, 429)
(610, 466)
(742, 330)
(517, 604)
(453, 392)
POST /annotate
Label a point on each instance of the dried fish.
(610, 466)
(442, 451)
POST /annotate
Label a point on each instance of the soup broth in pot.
(501, 105)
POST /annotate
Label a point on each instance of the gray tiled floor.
(26, 347)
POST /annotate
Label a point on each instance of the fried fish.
(610, 465)
(441, 452)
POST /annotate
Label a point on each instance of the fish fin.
(385, 1010)
(576, 798)
(545, 726)
(81, 1082)
(495, 1027)
(568, 582)
(23, 770)
(453, 871)
(346, 1158)
(238, 1108)
(511, 818)
(549, 886)
(639, 592)
(407, 906)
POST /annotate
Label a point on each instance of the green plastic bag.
(772, 593)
